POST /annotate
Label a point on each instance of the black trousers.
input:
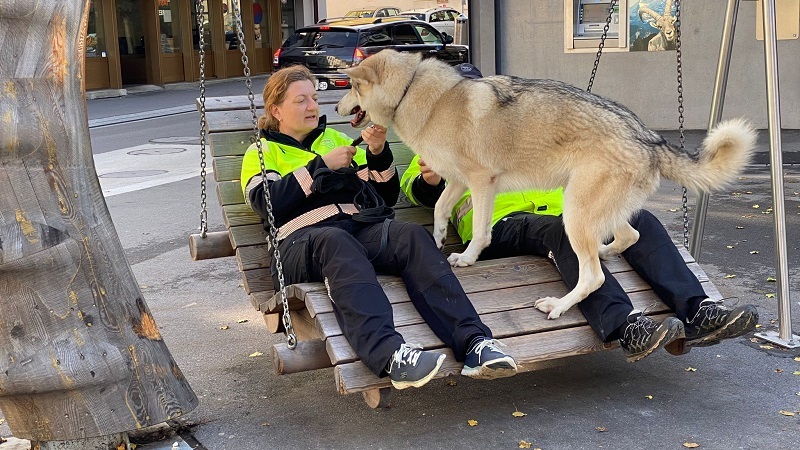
(654, 257)
(346, 255)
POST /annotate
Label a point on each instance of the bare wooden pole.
(80, 353)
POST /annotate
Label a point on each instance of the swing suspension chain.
(602, 44)
(685, 197)
(272, 236)
(200, 31)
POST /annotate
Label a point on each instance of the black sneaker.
(714, 322)
(643, 335)
(485, 361)
(412, 367)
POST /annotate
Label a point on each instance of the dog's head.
(378, 85)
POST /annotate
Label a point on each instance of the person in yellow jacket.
(331, 202)
(529, 223)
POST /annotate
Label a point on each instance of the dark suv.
(329, 46)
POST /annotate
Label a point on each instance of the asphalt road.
(732, 400)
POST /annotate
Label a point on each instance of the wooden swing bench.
(502, 290)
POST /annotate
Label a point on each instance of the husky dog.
(504, 133)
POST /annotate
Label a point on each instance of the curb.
(115, 120)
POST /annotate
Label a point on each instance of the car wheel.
(322, 85)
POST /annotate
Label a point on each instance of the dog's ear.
(360, 72)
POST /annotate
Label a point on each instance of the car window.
(428, 34)
(451, 15)
(393, 12)
(328, 39)
(381, 13)
(404, 34)
(375, 38)
(437, 16)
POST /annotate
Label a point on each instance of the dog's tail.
(724, 153)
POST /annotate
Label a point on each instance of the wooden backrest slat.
(229, 192)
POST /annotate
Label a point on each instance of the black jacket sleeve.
(426, 194)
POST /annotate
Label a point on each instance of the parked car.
(386, 11)
(443, 19)
(327, 47)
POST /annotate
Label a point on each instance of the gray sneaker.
(714, 322)
(412, 367)
(643, 335)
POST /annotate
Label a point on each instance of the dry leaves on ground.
(786, 413)
(254, 354)
(690, 369)
(771, 279)
(224, 327)
(524, 444)
(730, 276)
(472, 422)
(649, 397)
(241, 321)
(691, 444)
(601, 429)
(770, 295)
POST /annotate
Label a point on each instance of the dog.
(503, 133)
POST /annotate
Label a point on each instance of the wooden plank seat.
(503, 291)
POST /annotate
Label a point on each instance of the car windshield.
(323, 39)
(359, 13)
(418, 16)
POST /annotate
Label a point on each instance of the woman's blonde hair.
(275, 91)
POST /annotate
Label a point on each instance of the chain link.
(272, 237)
(203, 195)
(602, 44)
(685, 196)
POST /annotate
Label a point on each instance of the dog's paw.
(439, 238)
(548, 305)
(460, 260)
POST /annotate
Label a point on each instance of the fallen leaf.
(740, 228)
(729, 246)
(672, 210)
(241, 321)
(265, 424)
(770, 295)
(649, 397)
(786, 413)
(754, 340)
(690, 369)
(771, 279)
(451, 382)
(691, 444)
(519, 414)
(754, 252)
(758, 325)
(756, 206)
(767, 347)
(472, 422)
(796, 359)
(601, 429)
(2, 421)
(524, 444)
(748, 192)
(778, 370)
(254, 354)
(224, 327)
(730, 276)
(797, 394)
(796, 372)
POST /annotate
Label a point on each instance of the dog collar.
(405, 91)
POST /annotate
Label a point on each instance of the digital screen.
(595, 13)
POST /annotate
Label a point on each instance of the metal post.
(784, 337)
(717, 101)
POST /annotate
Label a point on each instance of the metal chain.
(200, 31)
(685, 197)
(602, 44)
(272, 236)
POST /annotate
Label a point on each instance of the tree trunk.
(80, 354)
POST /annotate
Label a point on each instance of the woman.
(329, 200)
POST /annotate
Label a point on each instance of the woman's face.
(298, 114)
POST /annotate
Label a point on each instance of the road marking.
(167, 167)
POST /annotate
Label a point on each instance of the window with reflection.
(206, 27)
(95, 33)
(169, 26)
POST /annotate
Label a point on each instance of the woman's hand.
(339, 157)
(428, 175)
(375, 137)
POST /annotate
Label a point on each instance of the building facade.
(527, 39)
(157, 42)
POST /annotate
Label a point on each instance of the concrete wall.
(337, 8)
(528, 38)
